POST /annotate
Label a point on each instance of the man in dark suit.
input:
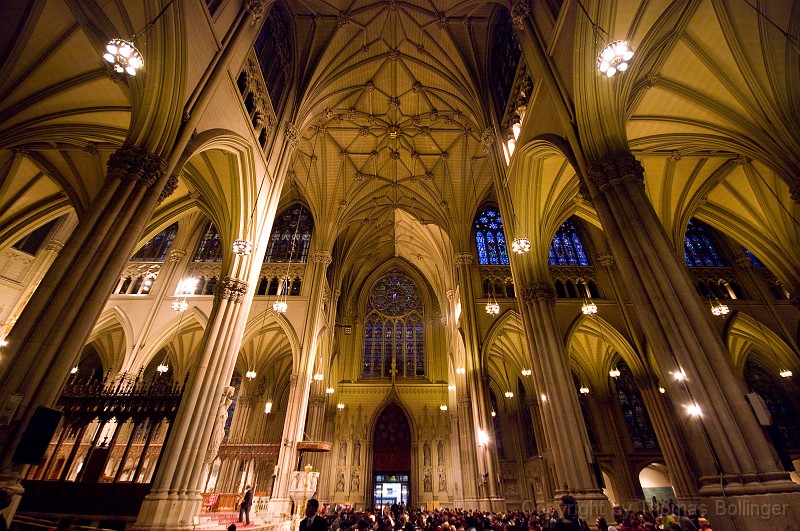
(312, 522)
(247, 502)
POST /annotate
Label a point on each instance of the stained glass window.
(489, 238)
(394, 328)
(527, 421)
(784, 415)
(753, 259)
(640, 429)
(210, 247)
(506, 52)
(583, 402)
(699, 249)
(156, 249)
(498, 432)
(291, 235)
(567, 248)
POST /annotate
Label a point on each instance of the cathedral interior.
(474, 254)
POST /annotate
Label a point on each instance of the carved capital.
(292, 136)
(231, 288)
(605, 259)
(316, 401)
(742, 260)
(135, 163)
(463, 258)
(323, 257)
(487, 139)
(293, 379)
(54, 245)
(519, 12)
(256, 9)
(176, 255)
(583, 191)
(616, 168)
(169, 188)
(538, 290)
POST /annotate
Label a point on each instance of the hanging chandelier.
(318, 377)
(526, 372)
(268, 407)
(279, 306)
(718, 309)
(614, 57)
(521, 245)
(123, 56)
(614, 373)
(163, 366)
(786, 373)
(242, 247)
(492, 308)
(329, 390)
(180, 306)
(250, 374)
(340, 405)
(584, 390)
(443, 407)
(509, 394)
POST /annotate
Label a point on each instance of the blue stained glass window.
(567, 247)
(155, 250)
(291, 235)
(490, 239)
(395, 316)
(210, 247)
(640, 429)
(753, 259)
(699, 250)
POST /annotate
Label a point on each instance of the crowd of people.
(398, 518)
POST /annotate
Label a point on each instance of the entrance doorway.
(390, 489)
(391, 458)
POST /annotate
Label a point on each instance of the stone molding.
(322, 257)
(256, 9)
(743, 261)
(463, 258)
(538, 290)
(231, 288)
(131, 162)
(487, 139)
(614, 169)
(292, 136)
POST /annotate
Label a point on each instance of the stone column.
(175, 497)
(300, 382)
(728, 444)
(51, 330)
(481, 414)
(315, 424)
(567, 441)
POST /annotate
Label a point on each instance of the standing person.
(570, 521)
(312, 522)
(247, 502)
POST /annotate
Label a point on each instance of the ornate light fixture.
(516, 125)
(123, 56)
(329, 390)
(661, 390)
(614, 373)
(614, 57)
(163, 366)
(74, 370)
(242, 247)
(340, 405)
(786, 373)
(318, 377)
(543, 397)
(268, 407)
(250, 374)
(719, 309)
(521, 245)
(461, 370)
(180, 306)
(679, 375)
(526, 372)
(492, 307)
(509, 394)
(584, 390)
(494, 413)
(588, 307)
(443, 407)
(451, 387)
(279, 306)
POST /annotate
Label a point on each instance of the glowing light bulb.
(242, 247)
(584, 390)
(509, 394)
(250, 374)
(329, 390)
(340, 405)
(785, 373)
(614, 373)
(693, 410)
(318, 377)
(268, 407)
(451, 387)
(461, 370)
(443, 407)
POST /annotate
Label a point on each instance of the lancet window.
(155, 250)
(210, 247)
(490, 239)
(567, 247)
(640, 429)
(394, 328)
(699, 250)
(291, 235)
